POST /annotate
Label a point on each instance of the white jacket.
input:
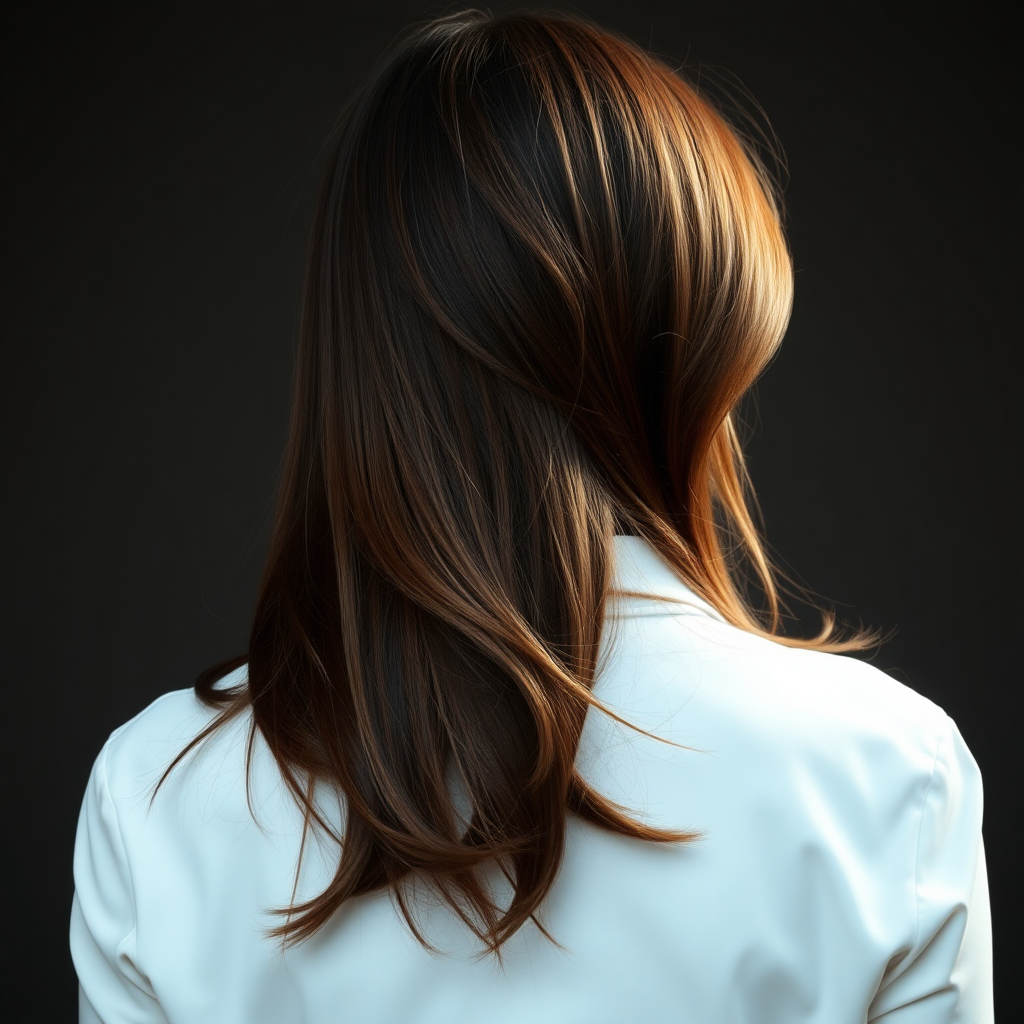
(841, 877)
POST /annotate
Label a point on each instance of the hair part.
(542, 274)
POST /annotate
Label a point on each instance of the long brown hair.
(542, 273)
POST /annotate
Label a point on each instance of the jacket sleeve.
(112, 990)
(946, 974)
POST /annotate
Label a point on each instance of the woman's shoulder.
(774, 689)
(783, 715)
(845, 711)
(143, 747)
(166, 794)
(844, 688)
(864, 737)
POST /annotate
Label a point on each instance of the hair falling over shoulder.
(542, 273)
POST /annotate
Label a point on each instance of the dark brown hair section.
(542, 273)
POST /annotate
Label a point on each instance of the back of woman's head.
(542, 273)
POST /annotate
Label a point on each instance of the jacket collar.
(637, 566)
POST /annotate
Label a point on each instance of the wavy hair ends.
(542, 273)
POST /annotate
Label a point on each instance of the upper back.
(809, 775)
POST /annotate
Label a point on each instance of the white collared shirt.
(841, 877)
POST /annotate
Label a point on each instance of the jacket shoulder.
(822, 694)
(144, 746)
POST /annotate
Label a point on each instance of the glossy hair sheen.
(542, 273)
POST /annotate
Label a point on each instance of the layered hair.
(542, 273)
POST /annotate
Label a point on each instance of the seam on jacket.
(122, 850)
(920, 829)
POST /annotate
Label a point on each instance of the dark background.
(160, 162)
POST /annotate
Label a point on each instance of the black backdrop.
(160, 162)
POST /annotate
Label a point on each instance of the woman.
(508, 743)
